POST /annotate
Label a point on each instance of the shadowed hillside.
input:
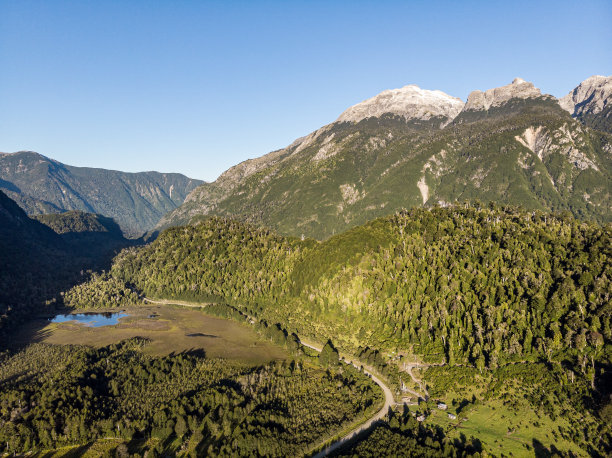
(38, 263)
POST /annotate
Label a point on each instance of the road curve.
(389, 402)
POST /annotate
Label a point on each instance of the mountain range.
(412, 147)
(402, 148)
(135, 200)
(482, 312)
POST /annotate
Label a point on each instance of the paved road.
(389, 401)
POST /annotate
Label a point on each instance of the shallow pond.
(95, 320)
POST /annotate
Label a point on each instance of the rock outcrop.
(591, 96)
(519, 88)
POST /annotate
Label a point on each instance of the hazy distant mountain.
(135, 200)
(411, 147)
(591, 102)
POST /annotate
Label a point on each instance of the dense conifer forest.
(53, 396)
(481, 286)
(502, 292)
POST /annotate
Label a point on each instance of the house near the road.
(442, 406)
(421, 418)
(452, 416)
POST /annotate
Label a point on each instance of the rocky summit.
(518, 89)
(591, 102)
(593, 95)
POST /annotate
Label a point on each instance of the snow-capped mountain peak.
(410, 102)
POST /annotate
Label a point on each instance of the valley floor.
(171, 329)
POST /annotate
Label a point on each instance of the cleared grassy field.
(505, 432)
(171, 330)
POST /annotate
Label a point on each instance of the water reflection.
(94, 320)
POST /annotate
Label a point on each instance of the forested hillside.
(78, 222)
(481, 287)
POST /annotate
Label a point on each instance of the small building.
(442, 406)
(452, 416)
(421, 418)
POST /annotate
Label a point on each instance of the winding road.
(389, 402)
(389, 399)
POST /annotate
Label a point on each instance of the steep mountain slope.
(411, 147)
(591, 102)
(135, 200)
(38, 262)
(30, 253)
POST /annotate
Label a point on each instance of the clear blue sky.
(196, 87)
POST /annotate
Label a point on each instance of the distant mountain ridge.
(411, 147)
(135, 200)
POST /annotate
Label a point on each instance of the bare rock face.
(519, 88)
(410, 102)
(592, 96)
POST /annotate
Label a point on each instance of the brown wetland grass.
(171, 329)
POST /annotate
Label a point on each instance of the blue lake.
(95, 320)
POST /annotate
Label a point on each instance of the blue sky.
(196, 87)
